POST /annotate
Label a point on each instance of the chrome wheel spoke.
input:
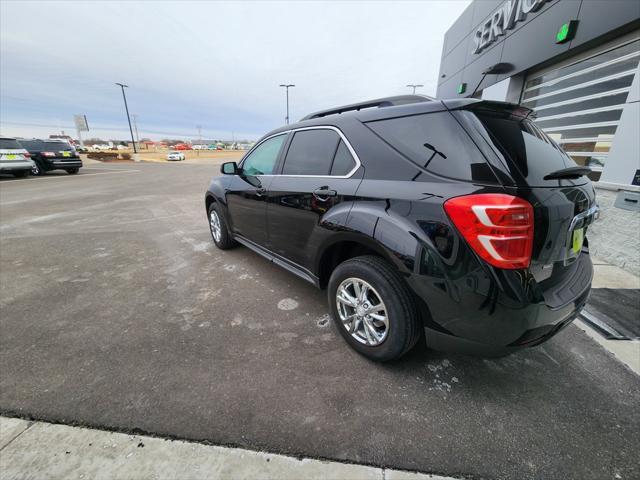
(364, 291)
(375, 309)
(373, 335)
(357, 289)
(344, 297)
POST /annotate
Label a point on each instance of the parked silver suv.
(14, 159)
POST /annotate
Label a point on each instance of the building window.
(580, 105)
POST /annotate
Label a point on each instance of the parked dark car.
(52, 154)
(457, 218)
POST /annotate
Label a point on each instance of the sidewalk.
(610, 276)
(39, 450)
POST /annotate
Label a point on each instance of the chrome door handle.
(323, 194)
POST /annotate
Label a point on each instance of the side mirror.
(229, 168)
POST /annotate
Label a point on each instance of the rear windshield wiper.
(571, 172)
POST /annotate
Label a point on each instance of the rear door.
(313, 192)
(563, 208)
(247, 194)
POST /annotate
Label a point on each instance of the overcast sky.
(215, 64)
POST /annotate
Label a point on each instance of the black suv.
(51, 155)
(457, 218)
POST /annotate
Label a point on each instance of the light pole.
(122, 86)
(414, 86)
(135, 126)
(286, 86)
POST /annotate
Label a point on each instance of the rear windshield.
(57, 146)
(437, 143)
(523, 145)
(32, 145)
(9, 144)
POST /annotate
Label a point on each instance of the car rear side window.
(343, 162)
(9, 144)
(262, 160)
(311, 152)
(437, 143)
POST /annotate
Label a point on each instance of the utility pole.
(287, 86)
(135, 126)
(414, 86)
(122, 86)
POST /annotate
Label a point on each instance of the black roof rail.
(377, 103)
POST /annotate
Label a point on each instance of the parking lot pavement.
(118, 312)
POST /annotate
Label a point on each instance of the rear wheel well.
(338, 253)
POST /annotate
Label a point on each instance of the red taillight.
(27, 155)
(48, 154)
(498, 227)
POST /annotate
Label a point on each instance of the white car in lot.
(175, 156)
(14, 158)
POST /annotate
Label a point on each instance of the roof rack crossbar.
(377, 103)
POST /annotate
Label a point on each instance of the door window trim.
(354, 155)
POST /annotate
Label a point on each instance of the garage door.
(579, 105)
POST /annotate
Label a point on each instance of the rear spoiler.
(491, 105)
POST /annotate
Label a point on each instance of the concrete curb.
(45, 450)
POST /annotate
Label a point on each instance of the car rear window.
(523, 145)
(9, 144)
(57, 146)
(32, 145)
(437, 143)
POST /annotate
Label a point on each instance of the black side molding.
(571, 172)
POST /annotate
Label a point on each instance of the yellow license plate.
(578, 240)
(66, 154)
(12, 157)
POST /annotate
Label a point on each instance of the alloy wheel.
(214, 224)
(362, 311)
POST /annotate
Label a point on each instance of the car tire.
(390, 340)
(72, 171)
(22, 173)
(37, 169)
(219, 231)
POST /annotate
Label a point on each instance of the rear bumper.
(446, 342)
(16, 165)
(494, 317)
(64, 163)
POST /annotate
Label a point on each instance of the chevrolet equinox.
(460, 219)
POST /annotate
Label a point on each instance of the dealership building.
(576, 64)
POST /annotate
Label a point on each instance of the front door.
(305, 201)
(247, 194)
